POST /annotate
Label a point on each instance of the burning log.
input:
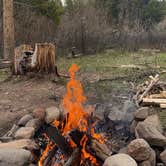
(75, 158)
(56, 137)
(100, 150)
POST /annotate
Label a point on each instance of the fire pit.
(72, 139)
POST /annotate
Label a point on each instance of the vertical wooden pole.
(8, 30)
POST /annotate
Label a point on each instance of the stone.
(145, 163)
(139, 149)
(150, 134)
(99, 112)
(120, 160)
(39, 113)
(142, 113)
(25, 119)
(128, 109)
(155, 121)
(116, 115)
(14, 157)
(151, 161)
(133, 126)
(27, 144)
(163, 157)
(25, 133)
(52, 113)
(35, 123)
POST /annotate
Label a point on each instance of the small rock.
(120, 160)
(14, 157)
(25, 119)
(139, 149)
(52, 113)
(142, 113)
(25, 133)
(39, 113)
(163, 157)
(150, 134)
(35, 123)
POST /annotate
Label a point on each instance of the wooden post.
(8, 30)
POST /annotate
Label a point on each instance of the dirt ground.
(21, 95)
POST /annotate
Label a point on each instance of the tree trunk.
(8, 29)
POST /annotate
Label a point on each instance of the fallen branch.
(149, 87)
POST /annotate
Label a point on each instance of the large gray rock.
(14, 157)
(25, 119)
(25, 133)
(139, 149)
(99, 112)
(116, 115)
(52, 113)
(120, 160)
(155, 121)
(150, 133)
(142, 113)
(128, 109)
(163, 156)
(35, 123)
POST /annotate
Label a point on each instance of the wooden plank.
(163, 105)
(154, 101)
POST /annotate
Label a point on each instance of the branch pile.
(152, 92)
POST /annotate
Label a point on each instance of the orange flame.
(76, 117)
(49, 147)
(73, 103)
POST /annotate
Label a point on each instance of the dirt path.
(17, 97)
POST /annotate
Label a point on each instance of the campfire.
(72, 140)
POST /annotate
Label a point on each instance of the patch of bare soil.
(20, 96)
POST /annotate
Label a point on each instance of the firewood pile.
(152, 92)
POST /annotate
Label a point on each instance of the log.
(20, 144)
(158, 96)
(163, 106)
(75, 158)
(56, 137)
(149, 87)
(154, 101)
(100, 150)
